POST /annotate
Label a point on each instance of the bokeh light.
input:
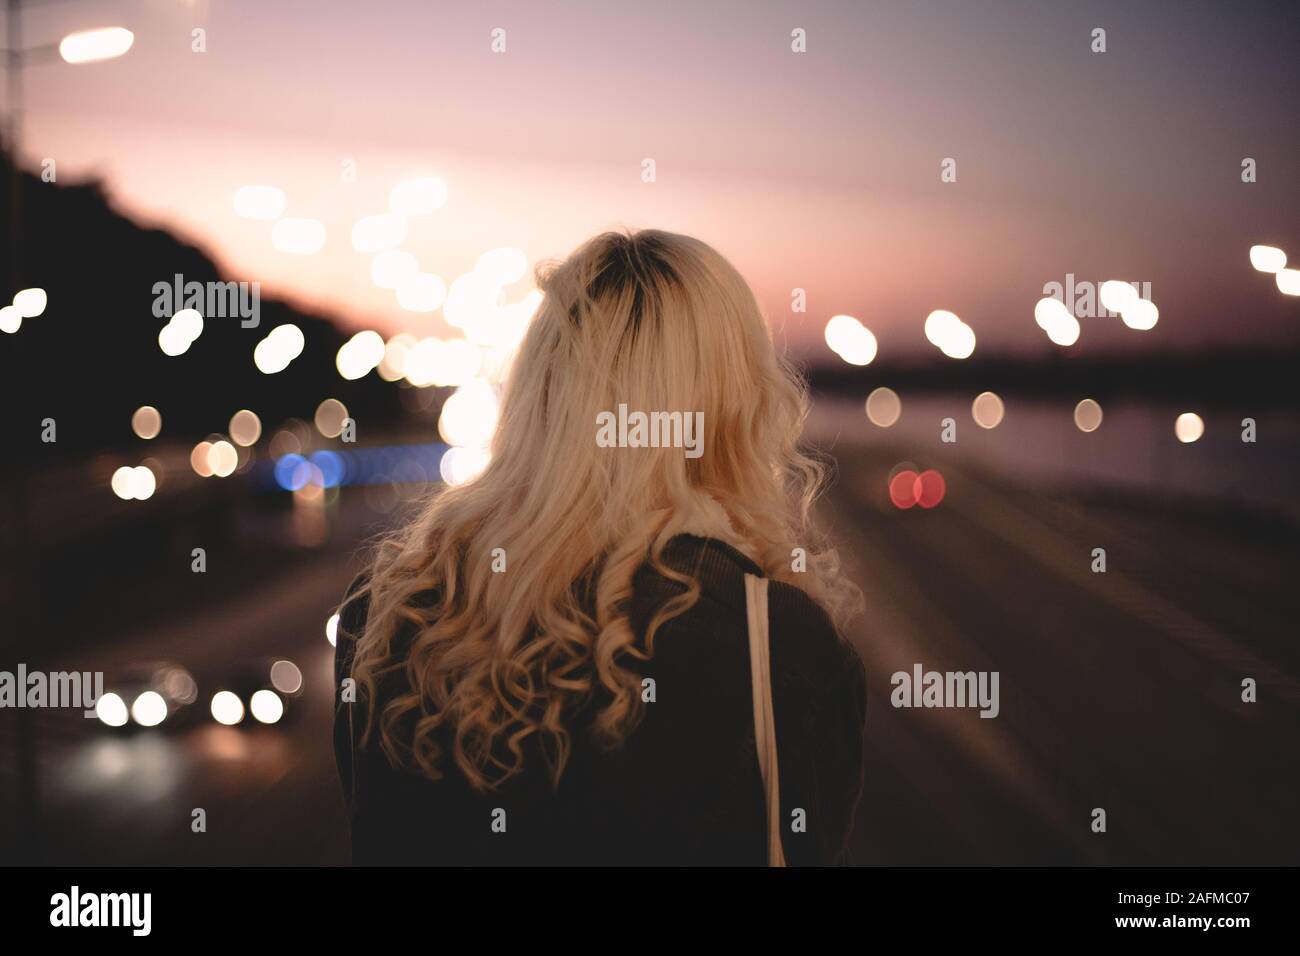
(227, 708)
(1267, 258)
(266, 706)
(884, 407)
(421, 292)
(223, 459)
(1057, 321)
(149, 709)
(282, 345)
(902, 488)
(329, 418)
(418, 197)
(286, 677)
(987, 410)
(111, 710)
(390, 268)
(300, 237)
(949, 334)
(469, 416)
(146, 422)
(1087, 415)
(1189, 427)
(199, 459)
(850, 340)
(929, 488)
(30, 302)
(260, 202)
(377, 233)
(360, 354)
(245, 427)
(459, 465)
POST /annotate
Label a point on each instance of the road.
(1118, 690)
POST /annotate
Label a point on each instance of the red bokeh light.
(903, 488)
(929, 488)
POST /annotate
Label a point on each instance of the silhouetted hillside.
(93, 357)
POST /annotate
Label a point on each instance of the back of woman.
(551, 664)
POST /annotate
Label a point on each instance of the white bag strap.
(764, 717)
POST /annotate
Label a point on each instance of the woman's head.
(530, 565)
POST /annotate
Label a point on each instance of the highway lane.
(1118, 690)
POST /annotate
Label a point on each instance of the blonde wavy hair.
(653, 320)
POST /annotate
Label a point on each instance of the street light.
(91, 46)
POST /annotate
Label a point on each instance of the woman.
(551, 663)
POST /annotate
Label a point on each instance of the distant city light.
(852, 341)
(432, 361)
(1189, 427)
(134, 484)
(199, 459)
(11, 319)
(227, 708)
(149, 709)
(30, 302)
(472, 298)
(266, 706)
(987, 410)
(418, 197)
(245, 428)
(111, 709)
(223, 459)
(1267, 258)
(360, 354)
(469, 416)
(266, 203)
(903, 489)
(377, 233)
(1140, 314)
(1288, 281)
(929, 488)
(1087, 415)
(179, 333)
(189, 322)
(884, 407)
(91, 46)
(146, 422)
(502, 266)
(421, 292)
(1117, 296)
(329, 418)
(393, 365)
(121, 483)
(1054, 318)
(286, 677)
(332, 630)
(300, 237)
(390, 268)
(281, 346)
(172, 341)
(459, 465)
(953, 337)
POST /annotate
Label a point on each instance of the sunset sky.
(817, 170)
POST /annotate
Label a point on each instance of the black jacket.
(685, 787)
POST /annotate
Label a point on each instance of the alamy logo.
(923, 688)
(222, 300)
(1086, 300)
(57, 689)
(651, 430)
(103, 909)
